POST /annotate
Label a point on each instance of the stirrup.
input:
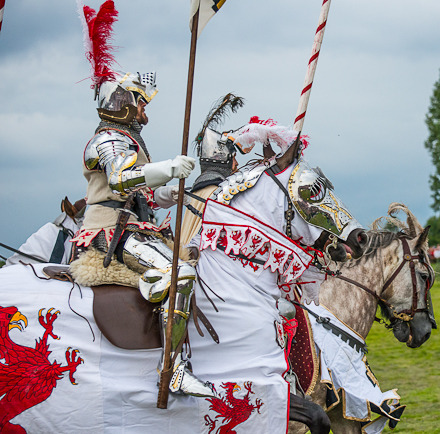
(185, 382)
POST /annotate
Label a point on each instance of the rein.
(325, 321)
(23, 254)
(406, 314)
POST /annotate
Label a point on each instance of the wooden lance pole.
(305, 94)
(162, 398)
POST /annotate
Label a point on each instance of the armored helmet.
(118, 93)
(119, 97)
(216, 150)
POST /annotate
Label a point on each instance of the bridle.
(405, 315)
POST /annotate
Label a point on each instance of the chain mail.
(209, 177)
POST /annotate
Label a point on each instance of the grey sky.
(375, 75)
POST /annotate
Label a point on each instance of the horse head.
(408, 276)
(340, 250)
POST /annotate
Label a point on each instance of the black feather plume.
(219, 111)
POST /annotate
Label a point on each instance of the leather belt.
(111, 204)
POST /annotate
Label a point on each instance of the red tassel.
(257, 120)
(100, 26)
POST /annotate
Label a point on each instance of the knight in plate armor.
(124, 186)
(216, 152)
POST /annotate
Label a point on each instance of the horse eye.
(424, 276)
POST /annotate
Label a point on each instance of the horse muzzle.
(414, 332)
(420, 330)
(357, 242)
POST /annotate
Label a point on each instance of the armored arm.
(115, 153)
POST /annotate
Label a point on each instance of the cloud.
(375, 75)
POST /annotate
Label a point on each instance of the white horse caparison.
(401, 296)
(115, 390)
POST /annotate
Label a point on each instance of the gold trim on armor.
(124, 116)
(290, 182)
(142, 92)
(184, 315)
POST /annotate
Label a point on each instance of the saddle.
(123, 316)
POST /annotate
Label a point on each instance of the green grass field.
(414, 372)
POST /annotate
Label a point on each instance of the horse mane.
(379, 239)
(389, 228)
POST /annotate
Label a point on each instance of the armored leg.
(183, 380)
(153, 259)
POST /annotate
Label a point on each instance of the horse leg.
(310, 414)
(341, 425)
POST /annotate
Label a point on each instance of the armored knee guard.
(153, 259)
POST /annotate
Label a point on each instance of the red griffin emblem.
(27, 377)
(232, 410)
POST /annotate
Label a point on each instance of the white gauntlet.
(168, 195)
(160, 173)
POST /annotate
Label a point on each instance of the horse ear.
(423, 238)
(68, 208)
(290, 155)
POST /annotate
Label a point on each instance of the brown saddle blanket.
(123, 316)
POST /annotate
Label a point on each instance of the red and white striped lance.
(2, 8)
(305, 94)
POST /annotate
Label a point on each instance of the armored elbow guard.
(123, 176)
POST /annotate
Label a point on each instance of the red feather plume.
(98, 34)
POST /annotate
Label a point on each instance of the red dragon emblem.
(255, 241)
(210, 234)
(237, 236)
(278, 256)
(232, 410)
(27, 377)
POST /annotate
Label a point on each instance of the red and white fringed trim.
(243, 234)
(257, 120)
(85, 237)
(305, 94)
(98, 30)
(2, 9)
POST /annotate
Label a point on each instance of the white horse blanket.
(51, 243)
(116, 389)
(346, 370)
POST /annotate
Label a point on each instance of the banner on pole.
(208, 8)
(2, 8)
